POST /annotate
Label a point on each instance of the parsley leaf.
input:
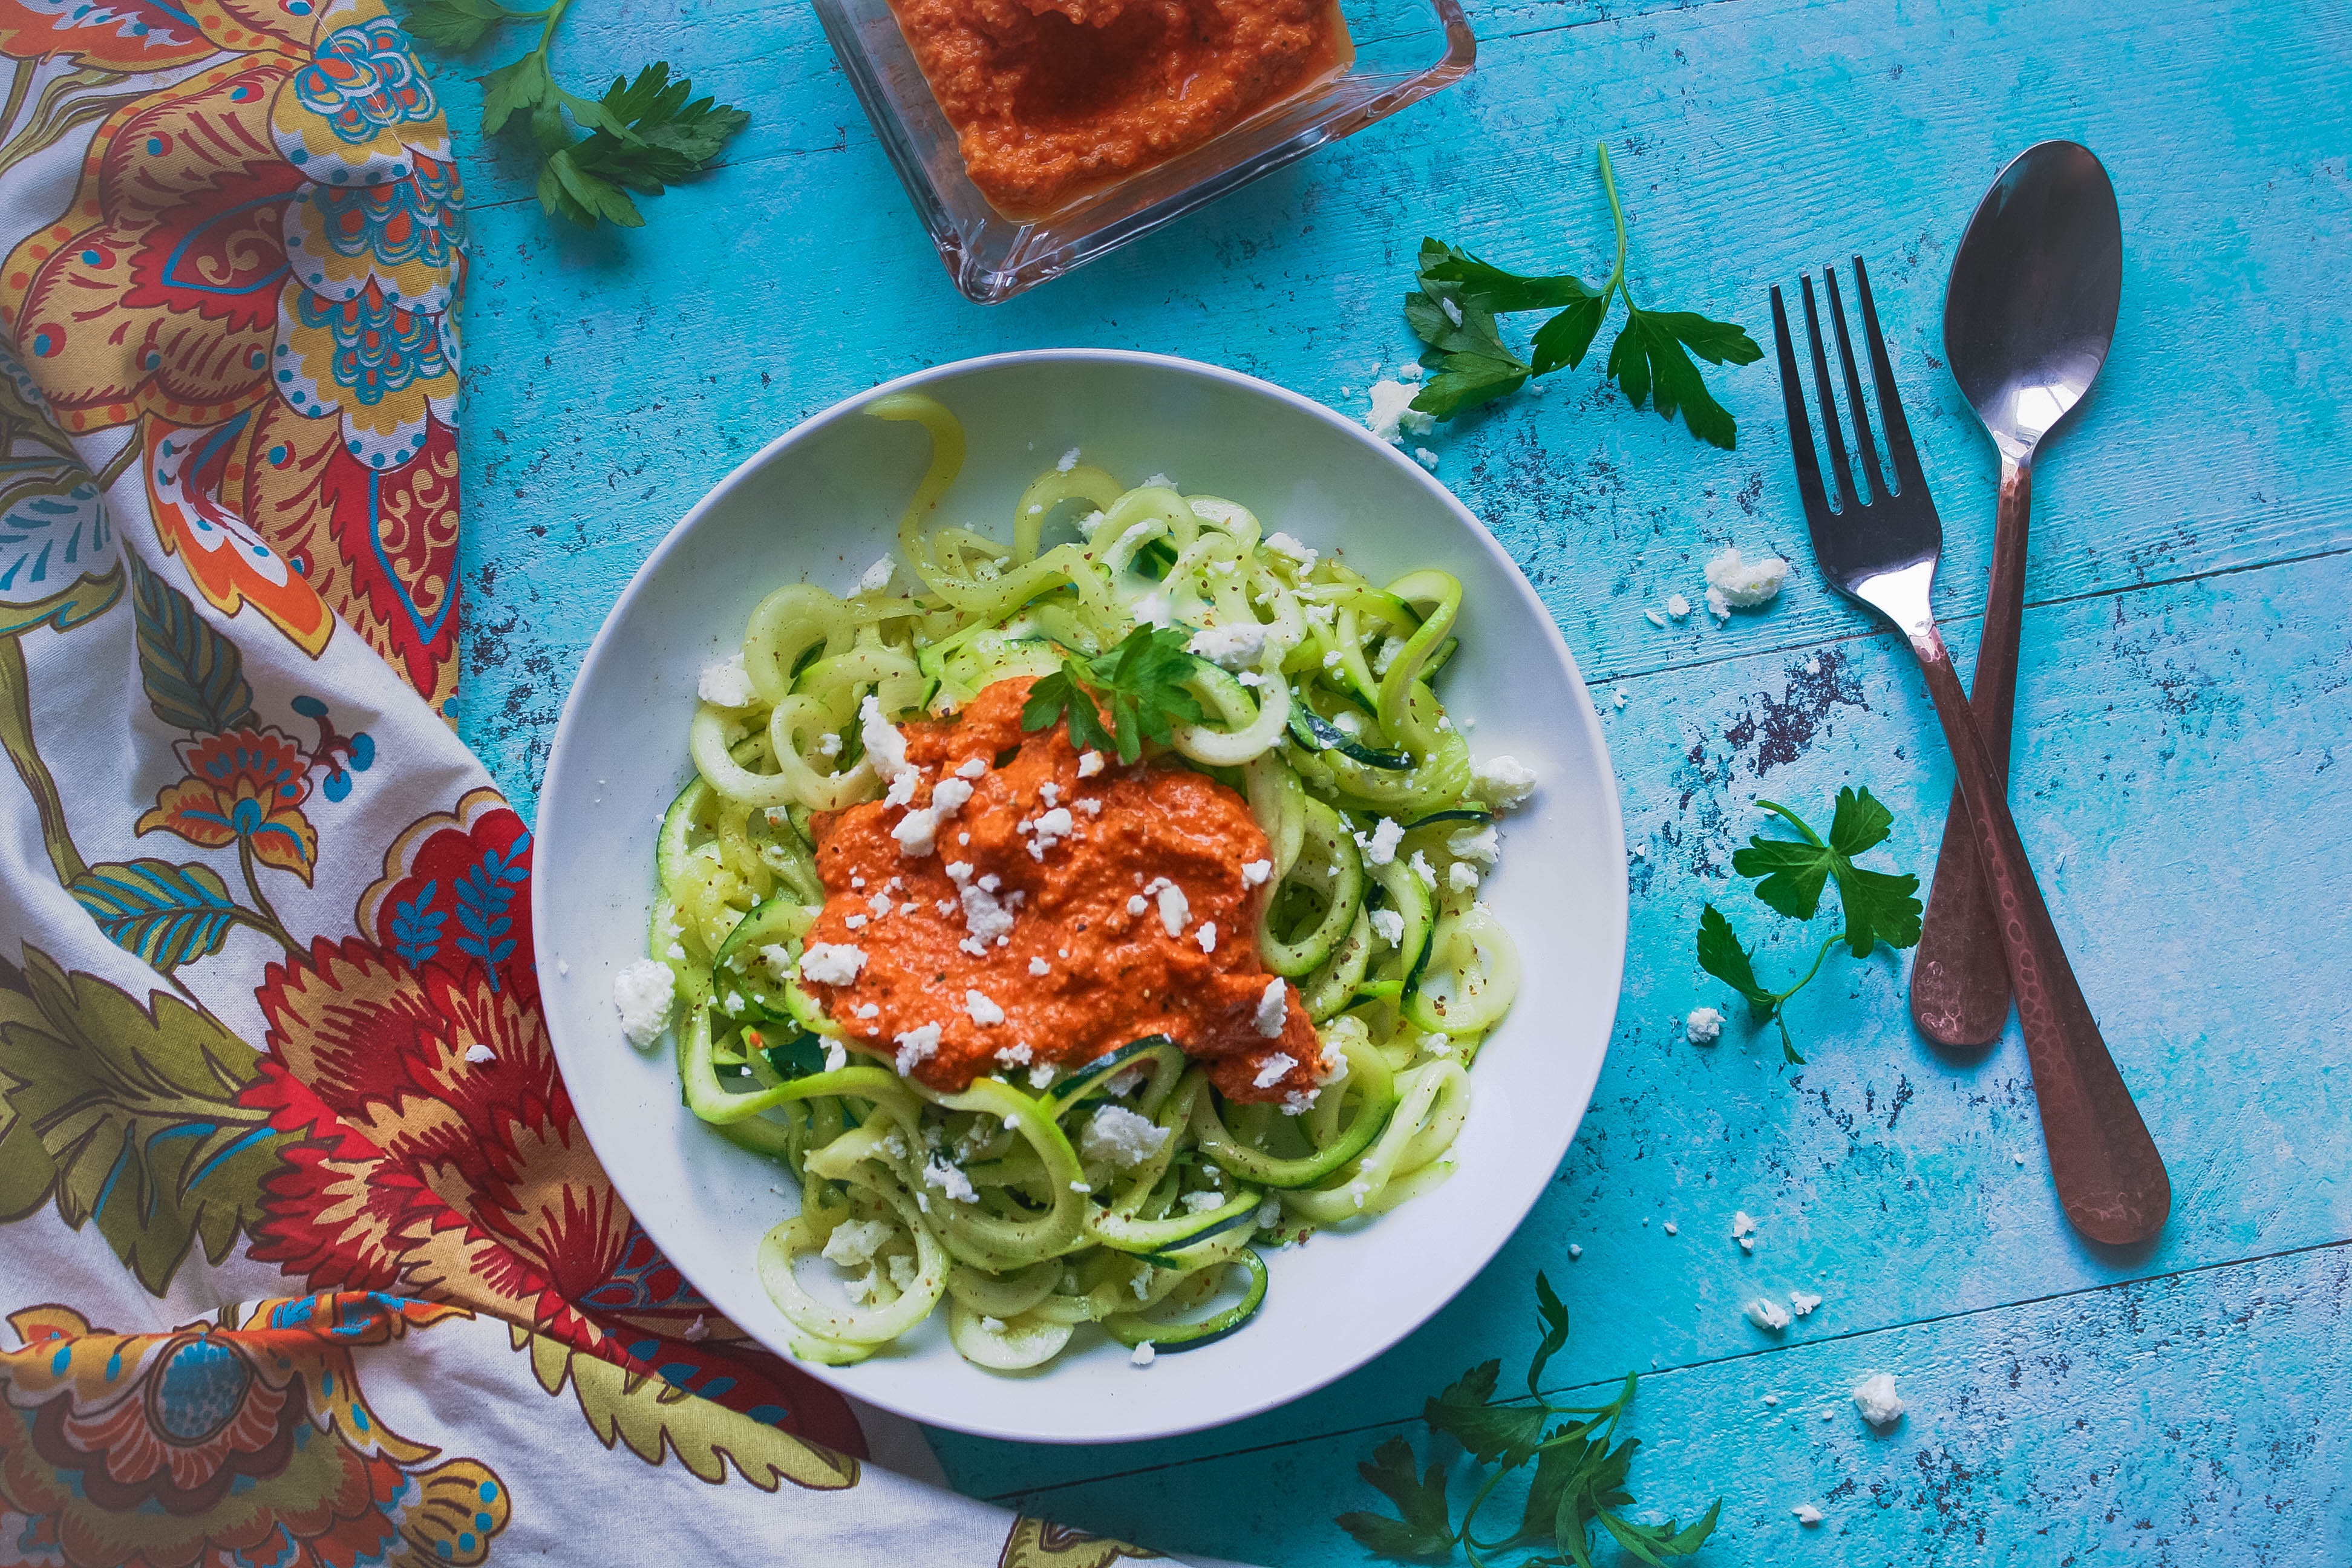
(641, 135)
(1879, 905)
(1582, 1474)
(457, 25)
(1142, 681)
(1457, 297)
(1424, 1531)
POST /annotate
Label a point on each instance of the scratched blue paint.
(2187, 693)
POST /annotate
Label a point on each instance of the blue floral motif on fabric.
(364, 79)
(380, 347)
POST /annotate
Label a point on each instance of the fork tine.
(1810, 494)
(1868, 447)
(1846, 498)
(1899, 449)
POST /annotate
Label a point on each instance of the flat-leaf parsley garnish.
(641, 135)
(1142, 681)
(1580, 1480)
(1454, 309)
(1879, 905)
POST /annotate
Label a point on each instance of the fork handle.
(1960, 977)
(2110, 1179)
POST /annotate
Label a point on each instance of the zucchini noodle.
(1317, 693)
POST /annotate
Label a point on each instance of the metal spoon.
(2029, 315)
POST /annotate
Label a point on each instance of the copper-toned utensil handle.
(1960, 977)
(2110, 1178)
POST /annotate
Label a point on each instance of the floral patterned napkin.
(305, 1257)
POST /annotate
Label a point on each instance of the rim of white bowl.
(1587, 718)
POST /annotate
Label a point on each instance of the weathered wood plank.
(2178, 782)
(616, 377)
(2186, 1420)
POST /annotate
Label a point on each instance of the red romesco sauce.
(1051, 98)
(1079, 971)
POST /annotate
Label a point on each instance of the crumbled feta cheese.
(949, 795)
(1136, 903)
(982, 1008)
(835, 1057)
(1574, 1251)
(644, 991)
(853, 1243)
(1678, 606)
(1158, 482)
(831, 963)
(1875, 1397)
(1118, 1136)
(885, 748)
(1388, 926)
(1041, 1075)
(1234, 645)
(991, 1325)
(1419, 865)
(1478, 844)
(1014, 1055)
(877, 577)
(1154, 610)
(1654, 618)
(1269, 1212)
(1673, 1229)
(1050, 827)
(478, 1052)
(903, 1270)
(1462, 876)
(880, 904)
(1802, 1302)
(778, 958)
(1298, 1102)
(563, 968)
(1089, 763)
(1769, 1316)
(727, 684)
(1175, 909)
(939, 1173)
(1277, 1068)
(1207, 936)
(1038, 966)
(1806, 1513)
(1273, 1008)
(1143, 1354)
(1382, 846)
(1255, 873)
(855, 922)
(1393, 414)
(1301, 555)
(827, 746)
(1742, 1223)
(986, 917)
(1732, 582)
(1617, 700)
(1425, 458)
(1411, 370)
(1506, 780)
(1704, 1026)
(917, 1045)
(1069, 461)
(917, 832)
(860, 1290)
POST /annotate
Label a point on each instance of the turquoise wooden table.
(2184, 771)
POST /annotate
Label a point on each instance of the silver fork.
(1881, 548)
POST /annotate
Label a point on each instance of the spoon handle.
(2111, 1180)
(1959, 979)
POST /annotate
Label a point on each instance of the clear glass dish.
(1403, 51)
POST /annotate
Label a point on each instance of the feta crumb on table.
(1425, 458)
(1742, 1223)
(1768, 1315)
(1806, 1513)
(1143, 1354)
(1733, 583)
(1678, 606)
(1875, 1397)
(1802, 1302)
(1392, 415)
(1704, 1026)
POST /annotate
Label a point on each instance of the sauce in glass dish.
(1054, 98)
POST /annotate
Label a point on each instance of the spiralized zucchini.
(1320, 708)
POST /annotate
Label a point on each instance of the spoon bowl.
(2030, 312)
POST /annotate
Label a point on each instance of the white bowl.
(821, 503)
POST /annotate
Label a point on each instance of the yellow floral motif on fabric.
(220, 1442)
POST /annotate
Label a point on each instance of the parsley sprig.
(1453, 311)
(1878, 905)
(1142, 681)
(641, 135)
(1580, 1479)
